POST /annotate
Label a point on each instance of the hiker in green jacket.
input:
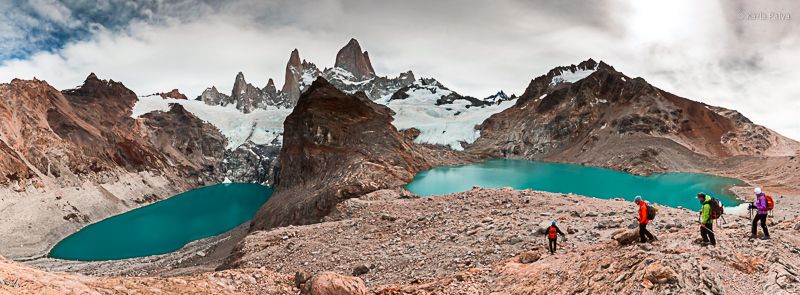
(706, 223)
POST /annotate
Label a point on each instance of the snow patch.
(568, 76)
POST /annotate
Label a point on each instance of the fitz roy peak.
(351, 59)
(352, 72)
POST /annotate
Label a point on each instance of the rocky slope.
(337, 146)
(20, 279)
(73, 157)
(491, 240)
(590, 113)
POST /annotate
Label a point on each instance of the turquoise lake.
(670, 189)
(167, 225)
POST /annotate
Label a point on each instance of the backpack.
(651, 212)
(716, 208)
(770, 202)
(551, 232)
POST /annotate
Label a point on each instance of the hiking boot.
(752, 237)
(765, 238)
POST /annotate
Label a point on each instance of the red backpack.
(770, 202)
(551, 232)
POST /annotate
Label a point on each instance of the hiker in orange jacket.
(644, 234)
(552, 236)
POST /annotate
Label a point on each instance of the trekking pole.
(708, 229)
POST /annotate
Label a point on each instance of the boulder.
(658, 273)
(330, 283)
(529, 257)
(625, 237)
(300, 278)
(360, 270)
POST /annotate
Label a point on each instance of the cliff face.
(79, 131)
(336, 146)
(591, 113)
(192, 145)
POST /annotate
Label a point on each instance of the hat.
(637, 199)
(757, 190)
(554, 222)
(701, 195)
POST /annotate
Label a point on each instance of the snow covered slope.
(442, 116)
(261, 126)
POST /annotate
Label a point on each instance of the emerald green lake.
(167, 225)
(670, 189)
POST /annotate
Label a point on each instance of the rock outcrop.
(173, 94)
(192, 145)
(592, 114)
(211, 96)
(335, 146)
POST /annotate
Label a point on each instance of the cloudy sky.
(737, 54)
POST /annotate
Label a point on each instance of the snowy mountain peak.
(497, 97)
(352, 73)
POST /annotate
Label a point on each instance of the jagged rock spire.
(352, 59)
(294, 69)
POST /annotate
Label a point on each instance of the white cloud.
(55, 11)
(696, 50)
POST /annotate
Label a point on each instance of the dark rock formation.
(336, 146)
(213, 97)
(252, 163)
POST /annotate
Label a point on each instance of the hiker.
(761, 215)
(644, 234)
(552, 237)
(706, 220)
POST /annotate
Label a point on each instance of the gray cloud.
(700, 50)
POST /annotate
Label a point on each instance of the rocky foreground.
(478, 242)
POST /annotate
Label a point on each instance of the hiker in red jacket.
(552, 232)
(644, 234)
